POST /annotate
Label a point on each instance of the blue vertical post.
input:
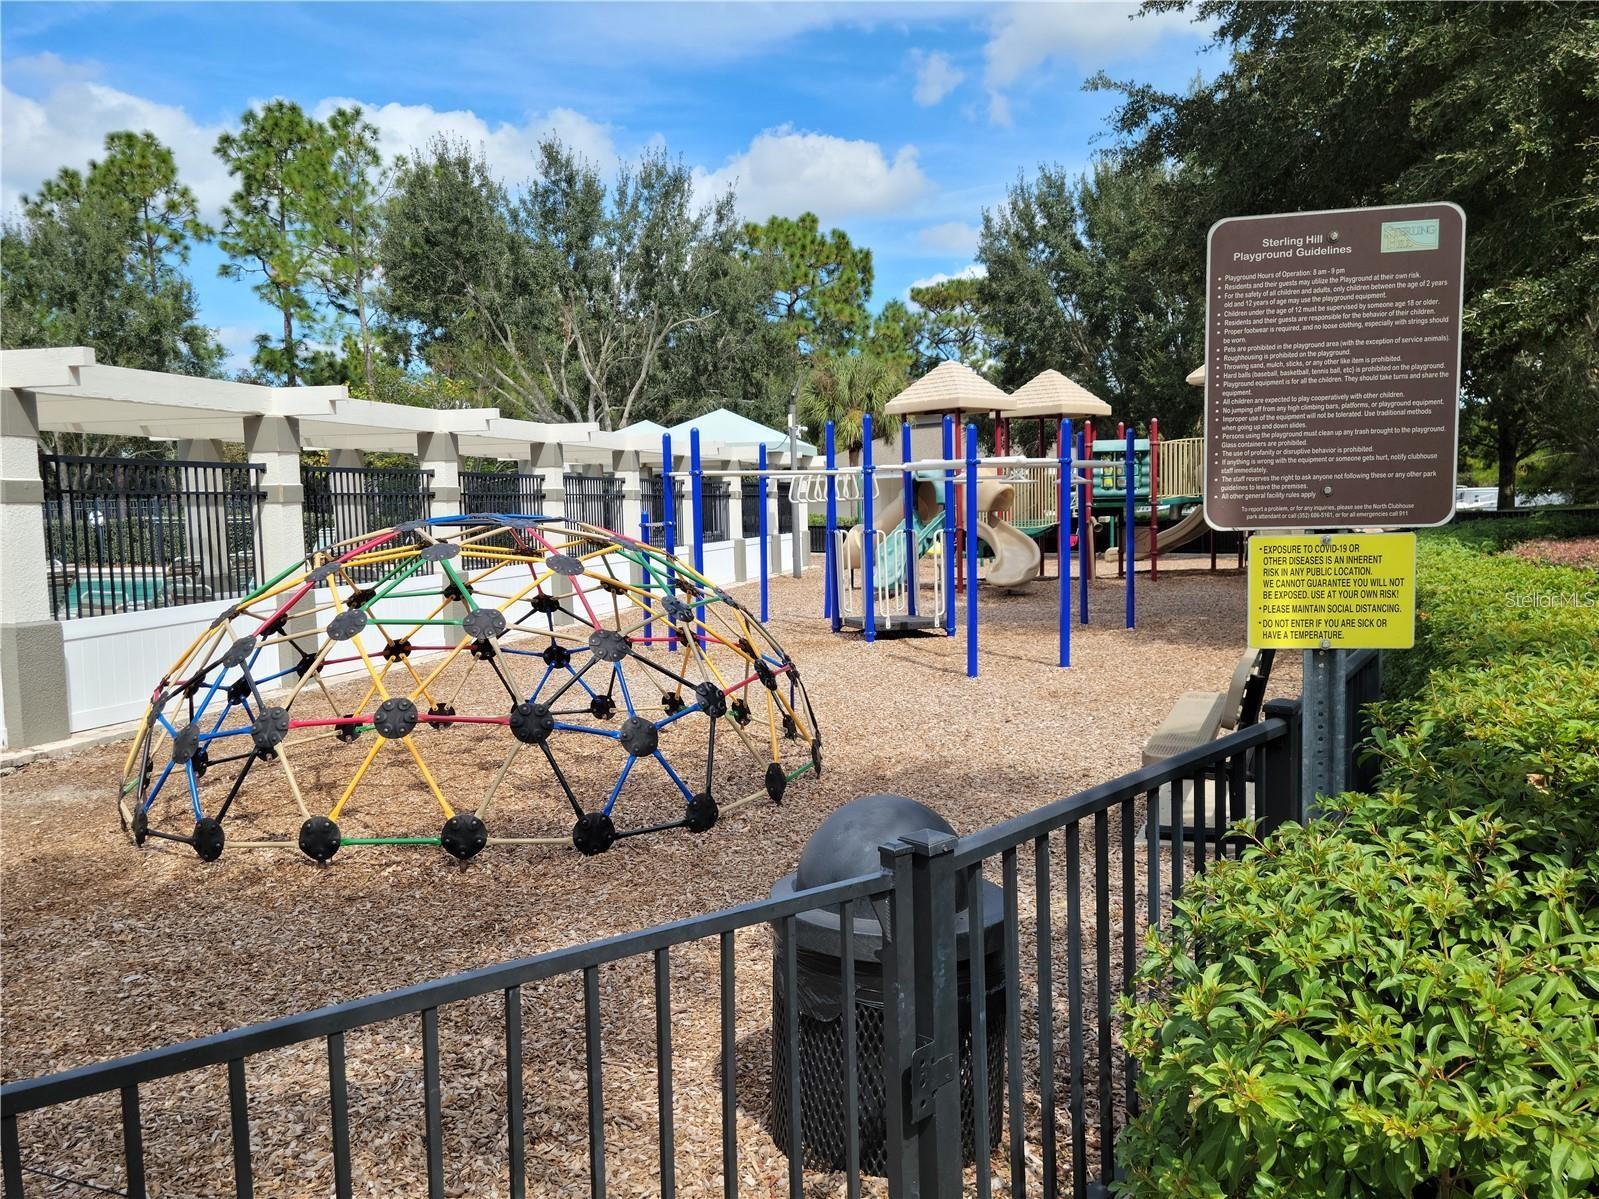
(696, 485)
(760, 489)
(868, 526)
(971, 551)
(669, 523)
(1063, 533)
(1129, 542)
(1085, 535)
(909, 507)
(833, 564)
(649, 582)
(949, 529)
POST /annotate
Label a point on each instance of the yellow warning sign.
(1336, 591)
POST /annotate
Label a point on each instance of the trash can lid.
(846, 844)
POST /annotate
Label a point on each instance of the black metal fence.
(505, 492)
(658, 514)
(594, 500)
(126, 533)
(1081, 881)
(343, 502)
(716, 496)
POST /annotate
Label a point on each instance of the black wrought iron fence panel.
(818, 535)
(343, 502)
(126, 533)
(750, 508)
(506, 492)
(518, 985)
(716, 496)
(682, 534)
(785, 507)
(1051, 907)
(1080, 883)
(594, 500)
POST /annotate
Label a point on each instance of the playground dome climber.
(555, 682)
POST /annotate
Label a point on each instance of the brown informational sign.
(1332, 368)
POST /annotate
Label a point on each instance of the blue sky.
(898, 123)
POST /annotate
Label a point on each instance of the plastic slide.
(1016, 555)
(888, 514)
(1179, 535)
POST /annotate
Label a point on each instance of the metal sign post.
(1332, 381)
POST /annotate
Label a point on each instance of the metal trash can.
(846, 846)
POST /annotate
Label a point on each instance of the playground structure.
(876, 572)
(587, 645)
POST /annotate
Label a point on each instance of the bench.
(1201, 716)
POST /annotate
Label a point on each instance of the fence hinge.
(924, 1078)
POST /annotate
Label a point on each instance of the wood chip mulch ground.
(110, 950)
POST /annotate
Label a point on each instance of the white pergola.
(66, 391)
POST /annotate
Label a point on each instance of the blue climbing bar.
(909, 508)
(830, 584)
(971, 551)
(868, 555)
(1129, 540)
(760, 488)
(948, 564)
(1063, 534)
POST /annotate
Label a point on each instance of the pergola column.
(735, 523)
(274, 443)
(33, 663)
(441, 453)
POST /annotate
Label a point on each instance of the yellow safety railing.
(1182, 466)
(1033, 506)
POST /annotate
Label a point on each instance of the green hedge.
(1383, 1014)
(1403, 1000)
(1475, 607)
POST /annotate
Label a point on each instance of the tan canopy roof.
(950, 387)
(1197, 375)
(1053, 394)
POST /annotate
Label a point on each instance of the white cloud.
(999, 109)
(1027, 35)
(238, 345)
(786, 172)
(1088, 33)
(951, 237)
(936, 77)
(65, 121)
(508, 148)
(975, 270)
(68, 127)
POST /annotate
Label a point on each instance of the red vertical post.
(1154, 497)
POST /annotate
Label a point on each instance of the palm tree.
(844, 388)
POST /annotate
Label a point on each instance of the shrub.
(1518, 738)
(1385, 1012)
(1405, 1002)
(1473, 609)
